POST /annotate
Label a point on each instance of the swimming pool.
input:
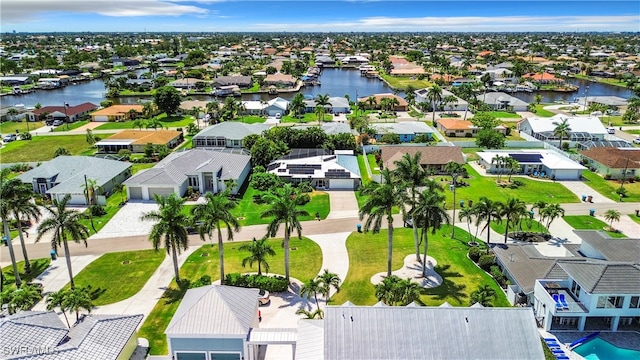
(598, 349)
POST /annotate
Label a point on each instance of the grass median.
(585, 222)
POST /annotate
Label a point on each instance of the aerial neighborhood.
(284, 195)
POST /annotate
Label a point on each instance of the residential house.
(116, 113)
(536, 162)
(582, 128)
(599, 281)
(187, 106)
(51, 113)
(542, 78)
(331, 128)
(118, 61)
(137, 140)
(612, 102)
(355, 59)
(200, 169)
(458, 105)
(406, 130)
(15, 80)
(240, 81)
(462, 128)
(613, 162)
(64, 175)
(432, 158)
(280, 80)
(42, 335)
(141, 84)
(402, 104)
(502, 101)
(337, 105)
(226, 134)
(185, 83)
(321, 168)
(500, 74)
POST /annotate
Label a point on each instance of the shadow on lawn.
(448, 289)
(172, 295)
(38, 266)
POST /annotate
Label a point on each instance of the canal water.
(335, 82)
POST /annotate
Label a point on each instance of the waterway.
(335, 82)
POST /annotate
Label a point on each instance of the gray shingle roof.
(69, 172)
(603, 278)
(359, 332)
(215, 310)
(409, 127)
(232, 130)
(32, 329)
(622, 250)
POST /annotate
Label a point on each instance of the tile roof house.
(227, 134)
(280, 80)
(136, 140)
(115, 113)
(462, 128)
(407, 130)
(402, 105)
(611, 161)
(599, 281)
(202, 170)
(60, 112)
(64, 175)
(39, 335)
(433, 158)
(241, 81)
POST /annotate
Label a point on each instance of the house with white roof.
(536, 162)
(407, 130)
(227, 134)
(319, 167)
(502, 101)
(272, 107)
(337, 104)
(583, 128)
(202, 170)
(458, 105)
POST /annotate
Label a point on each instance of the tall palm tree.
(56, 299)
(383, 197)
(214, 214)
(372, 102)
(260, 250)
(320, 111)
(322, 100)
(283, 208)
(467, 213)
(499, 161)
(23, 208)
(454, 170)
(512, 165)
(488, 210)
(297, 104)
(312, 288)
(434, 95)
(328, 280)
(612, 215)
(512, 211)
(410, 171)
(431, 214)
(8, 189)
(552, 212)
(90, 189)
(170, 224)
(65, 224)
(562, 130)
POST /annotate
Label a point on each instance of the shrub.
(22, 167)
(565, 146)
(124, 154)
(486, 261)
(607, 177)
(203, 281)
(475, 253)
(97, 210)
(303, 199)
(622, 192)
(468, 135)
(269, 283)
(305, 187)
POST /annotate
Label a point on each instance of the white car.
(10, 138)
(58, 122)
(636, 140)
(263, 297)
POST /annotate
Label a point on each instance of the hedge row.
(269, 283)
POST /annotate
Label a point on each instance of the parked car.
(636, 140)
(408, 222)
(57, 122)
(613, 112)
(611, 130)
(263, 297)
(10, 138)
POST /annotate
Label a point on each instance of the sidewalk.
(56, 276)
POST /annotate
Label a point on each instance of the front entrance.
(321, 183)
(42, 188)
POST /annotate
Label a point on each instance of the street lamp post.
(586, 93)
(452, 187)
(66, 117)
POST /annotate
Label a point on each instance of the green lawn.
(250, 212)
(71, 126)
(42, 148)
(504, 114)
(167, 122)
(368, 256)
(10, 127)
(586, 222)
(532, 225)
(530, 192)
(401, 82)
(608, 187)
(119, 275)
(363, 170)
(305, 264)
(372, 164)
(251, 119)
(307, 117)
(635, 218)
(112, 207)
(137, 167)
(540, 111)
(37, 267)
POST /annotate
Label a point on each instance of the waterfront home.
(52, 113)
(67, 175)
(582, 128)
(199, 169)
(458, 105)
(535, 162)
(280, 80)
(116, 113)
(322, 168)
(613, 162)
(612, 102)
(542, 78)
(407, 130)
(432, 158)
(240, 81)
(137, 140)
(355, 59)
(186, 83)
(462, 128)
(228, 134)
(337, 105)
(501, 101)
(14, 80)
(401, 105)
(273, 107)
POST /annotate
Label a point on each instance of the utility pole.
(624, 175)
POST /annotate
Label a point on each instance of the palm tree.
(361, 105)
(154, 123)
(23, 208)
(537, 99)
(612, 215)
(395, 291)
(297, 104)
(328, 280)
(215, 213)
(78, 299)
(512, 211)
(322, 100)
(551, 212)
(410, 171)
(372, 102)
(312, 288)
(431, 214)
(512, 165)
(139, 123)
(483, 296)
(434, 95)
(310, 314)
(454, 169)
(170, 223)
(90, 189)
(540, 205)
(64, 223)
(467, 213)
(499, 161)
(260, 250)
(383, 197)
(488, 210)
(562, 130)
(283, 207)
(24, 298)
(56, 299)
(320, 111)
(196, 110)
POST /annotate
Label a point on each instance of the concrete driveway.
(343, 204)
(127, 221)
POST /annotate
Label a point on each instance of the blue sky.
(317, 16)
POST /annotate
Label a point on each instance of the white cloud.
(17, 11)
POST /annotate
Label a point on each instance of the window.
(610, 302)
(575, 289)
(635, 302)
(193, 181)
(191, 356)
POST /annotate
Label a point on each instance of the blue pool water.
(598, 349)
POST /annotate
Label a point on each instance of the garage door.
(160, 191)
(335, 184)
(135, 193)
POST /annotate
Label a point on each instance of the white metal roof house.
(66, 175)
(227, 134)
(458, 105)
(203, 170)
(541, 163)
(336, 105)
(319, 167)
(583, 128)
(272, 107)
(503, 101)
(41, 335)
(407, 130)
